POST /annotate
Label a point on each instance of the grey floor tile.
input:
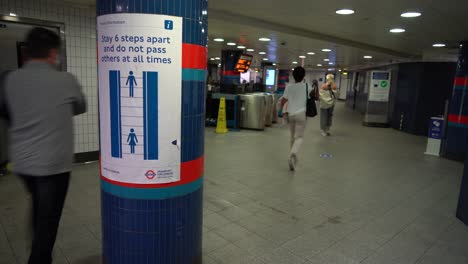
(233, 232)
(212, 242)
(281, 256)
(256, 245)
(232, 254)
(214, 221)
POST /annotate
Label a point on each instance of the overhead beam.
(222, 15)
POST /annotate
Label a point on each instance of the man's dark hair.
(299, 74)
(40, 41)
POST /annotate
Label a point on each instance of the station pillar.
(152, 64)
(457, 131)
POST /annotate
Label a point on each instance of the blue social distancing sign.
(436, 127)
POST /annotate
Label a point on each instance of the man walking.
(296, 97)
(41, 103)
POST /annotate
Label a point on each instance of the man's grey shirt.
(42, 102)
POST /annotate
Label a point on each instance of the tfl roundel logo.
(150, 174)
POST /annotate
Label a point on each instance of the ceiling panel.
(304, 25)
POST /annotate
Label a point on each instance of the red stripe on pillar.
(461, 81)
(190, 171)
(458, 119)
(194, 57)
(231, 73)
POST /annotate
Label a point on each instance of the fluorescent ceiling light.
(205, 12)
(219, 39)
(217, 58)
(345, 11)
(274, 64)
(12, 14)
(212, 59)
(368, 57)
(397, 30)
(331, 69)
(311, 53)
(326, 59)
(411, 14)
(339, 70)
(241, 47)
(250, 50)
(294, 62)
(319, 65)
(231, 44)
(326, 50)
(330, 63)
(264, 39)
(265, 59)
(302, 57)
(439, 45)
(262, 53)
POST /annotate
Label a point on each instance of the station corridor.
(363, 195)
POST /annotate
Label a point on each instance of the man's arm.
(78, 99)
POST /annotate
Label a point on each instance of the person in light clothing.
(327, 96)
(295, 95)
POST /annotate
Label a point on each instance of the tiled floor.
(378, 200)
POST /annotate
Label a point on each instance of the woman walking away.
(327, 104)
(296, 97)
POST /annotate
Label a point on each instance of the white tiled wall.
(80, 30)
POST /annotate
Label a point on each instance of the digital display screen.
(270, 77)
(380, 75)
(243, 64)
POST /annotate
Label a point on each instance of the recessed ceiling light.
(311, 53)
(411, 14)
(319, 65)
(262, 53)
(292, 69)
(250, 50)
(231, 44)
(274, 64)
(212, 59)
(219, 39)
(294, 62)
(397, 30)
(12, 14)
(368, 57)
(326, 59)
(439, 45)
(330, 63)
(302, 57)
(264, 39)
(345, 11)
(217, 58)
(326, 50)
(339, 70)
(241, 47)
(265, 59)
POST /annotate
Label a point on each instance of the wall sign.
(140, 87)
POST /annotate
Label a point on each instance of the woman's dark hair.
(40, 41)
(299, 74)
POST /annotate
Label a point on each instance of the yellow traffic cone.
(221, 126)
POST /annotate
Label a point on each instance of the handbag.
(311, 108)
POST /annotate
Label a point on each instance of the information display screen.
(270, 77)
(243, 64)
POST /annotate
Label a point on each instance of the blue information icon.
(169, 25)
